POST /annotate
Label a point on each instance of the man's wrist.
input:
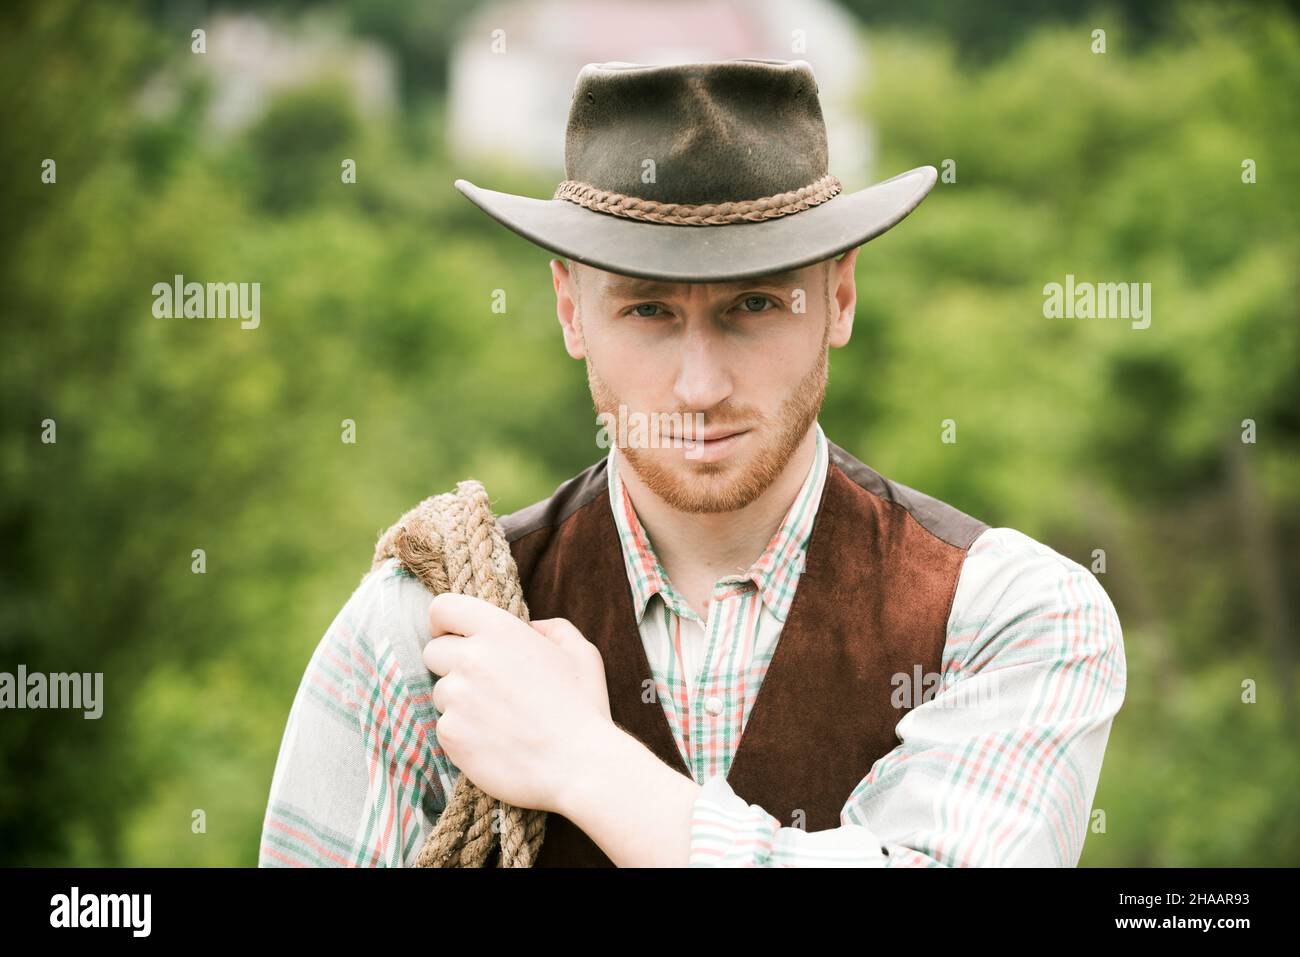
(596, 751)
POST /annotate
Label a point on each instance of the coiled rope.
(453, 543)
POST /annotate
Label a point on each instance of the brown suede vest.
(872, 602)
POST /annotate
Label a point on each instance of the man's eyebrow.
(631, 286)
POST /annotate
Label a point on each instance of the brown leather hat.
(700, 172)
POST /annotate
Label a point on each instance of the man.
(748, 647)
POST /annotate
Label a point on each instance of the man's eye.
(644, 305)
(748, 300)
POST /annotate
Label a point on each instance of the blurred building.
(511, 107)
(250, 58)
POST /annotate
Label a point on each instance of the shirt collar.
(775, 573)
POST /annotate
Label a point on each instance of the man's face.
(750, 356)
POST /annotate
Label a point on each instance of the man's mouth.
(714, 436)
(720, 434)
(713, 446)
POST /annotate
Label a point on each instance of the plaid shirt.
(707, 673)
(999, 767)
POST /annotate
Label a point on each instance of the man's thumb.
(558, 630)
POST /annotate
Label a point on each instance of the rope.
(452, 542)
(700, 214)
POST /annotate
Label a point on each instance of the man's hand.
(517, 704)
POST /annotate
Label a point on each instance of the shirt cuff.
(726, 831)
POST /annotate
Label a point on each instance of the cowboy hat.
(700, 172)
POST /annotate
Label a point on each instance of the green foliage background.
(176, 435)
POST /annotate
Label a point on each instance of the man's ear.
(843, 297)
(566, 307)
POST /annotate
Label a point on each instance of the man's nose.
(703, 374)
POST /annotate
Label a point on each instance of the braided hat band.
(698, 214)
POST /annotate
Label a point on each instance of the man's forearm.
(636, 808)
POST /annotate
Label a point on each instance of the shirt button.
(713, 705)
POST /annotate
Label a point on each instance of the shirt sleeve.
(359, 780)
(999, 766)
